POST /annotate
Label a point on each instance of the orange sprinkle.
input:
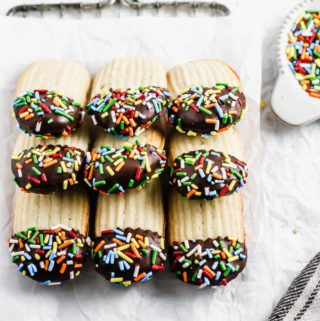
(46, 265)
(30, 116)
(141, 244)
(134, 250)
(20, 244)
(211, 121)
(78, 266)
(191, 193)
(50, 163)
(63, 268)
(118, 242)
(61, 258)
(185, 277)
(65, 244)
(19, 166)
(99, 246)
(140, 276)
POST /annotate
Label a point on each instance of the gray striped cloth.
(302, 300)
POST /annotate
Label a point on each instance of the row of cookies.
(50, 232)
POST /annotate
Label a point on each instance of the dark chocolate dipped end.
(207, 111)
(212, 262)
(112, 171)
(46, 113)
(47, 168)
(207, 174)
(127, 113)
(128, 256)
(49, 256)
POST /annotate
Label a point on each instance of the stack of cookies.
(113, 150)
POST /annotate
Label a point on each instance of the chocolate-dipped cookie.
(206, 239)
(49, 98)
(46, 113)
(128, 112)
(112, 171)
(55, 247)
(47, 168)
(49, 256)
(207, 110)
(128, 256)
(128, 245)
(209, 262)
(207, 174)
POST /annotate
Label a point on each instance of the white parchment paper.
(173, 41)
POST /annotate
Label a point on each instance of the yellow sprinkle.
(46, 239)
(48, 254)
(117, 162)
(104, 115)
(226, 252)
(208, 169)
(78, 273)
(126, 283)
(28, 186)
(63, 166)
(231, 238)
(233, 258)
(231, 186)
(125, 257)
(191, 133)
(146, 241)
(37, 256)
(22, 258)
(65, 184)
(262, 104)
(115, 280)
(180, 130)
(123, 247)
(133, 240)
(55, 246)
(24, 114)
(110, 171)
(162, 243)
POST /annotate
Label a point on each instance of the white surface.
(90, 297)
(290, 172)
(287, 104)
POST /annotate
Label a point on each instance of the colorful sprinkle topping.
(303, 51)
(46, 113)
(128, 256)
(207, 111)
(49, 256)
(128, 112)
(112, 171)
(207, 175)
(208, 263)
(46, 169)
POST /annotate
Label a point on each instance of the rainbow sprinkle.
(207, 111)
(112, 171)
(49, 256)
(303, 51)
(128, 256)
(207, 175)
(48, 168)
(46, 113)
(128, 112)
(208, 263)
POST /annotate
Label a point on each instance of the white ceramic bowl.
(289, 101)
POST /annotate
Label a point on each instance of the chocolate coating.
(207, 175)
(46, 169)
(128, 256)
(206, 111)
(46, 113)
(211, 262)
(112, 171)
(128, 112)
(49, 256)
